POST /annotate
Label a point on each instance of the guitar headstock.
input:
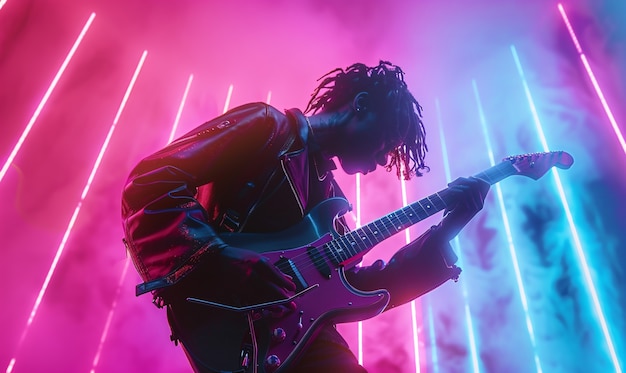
(535, 165)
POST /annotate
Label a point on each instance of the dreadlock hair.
(391, 97)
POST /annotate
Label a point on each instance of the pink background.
(446, 49)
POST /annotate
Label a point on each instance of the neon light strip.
(457, 245)
(107, 324)
(105, 332)
(414, 315)
(507, 228)
(413, 309)
(358, 225)
(2, 2)
(431, 333)
(44, 287)
(592, 77)
(44, 100)
(358, 200)
(117, 117)
(360, 341)
(269, 97)
(580, 252)
(470, 327)
(180, 110)
(228, 96)
(414, 327)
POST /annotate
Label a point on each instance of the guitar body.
(327, 297)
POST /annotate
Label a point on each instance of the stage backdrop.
(88, 88)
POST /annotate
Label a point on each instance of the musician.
(257, 169)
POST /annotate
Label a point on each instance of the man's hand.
(470, 195)
(253, 277)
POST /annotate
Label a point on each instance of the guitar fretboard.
(363, 239)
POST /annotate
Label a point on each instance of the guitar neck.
(357, 242)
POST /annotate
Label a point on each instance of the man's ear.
(360, 104)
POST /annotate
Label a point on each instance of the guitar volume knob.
(272, 363)
(278, 335)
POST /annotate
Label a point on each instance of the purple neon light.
(46, 96)
(594, 82)
(70, 225)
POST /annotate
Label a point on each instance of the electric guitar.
(316, 256)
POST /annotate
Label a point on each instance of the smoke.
(283, 47)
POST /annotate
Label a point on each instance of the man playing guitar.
(236, 226)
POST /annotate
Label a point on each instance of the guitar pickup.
(319, 261)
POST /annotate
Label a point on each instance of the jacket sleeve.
(167, 231)
(417, 268)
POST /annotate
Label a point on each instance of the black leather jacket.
(230, 174)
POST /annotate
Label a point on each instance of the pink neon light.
(594, 82)
(2, 2)
(269, 97)
(570, 29)
(110, 134)
(44, 100)
(61, 247)
(228, 96)
(180, 109)
(415, 316)
(11, 364)
(605, 105)
(359, 326)
(105, 332)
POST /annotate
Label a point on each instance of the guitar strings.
(351, 244)
(358, 240)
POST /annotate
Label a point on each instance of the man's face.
(364, 146)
